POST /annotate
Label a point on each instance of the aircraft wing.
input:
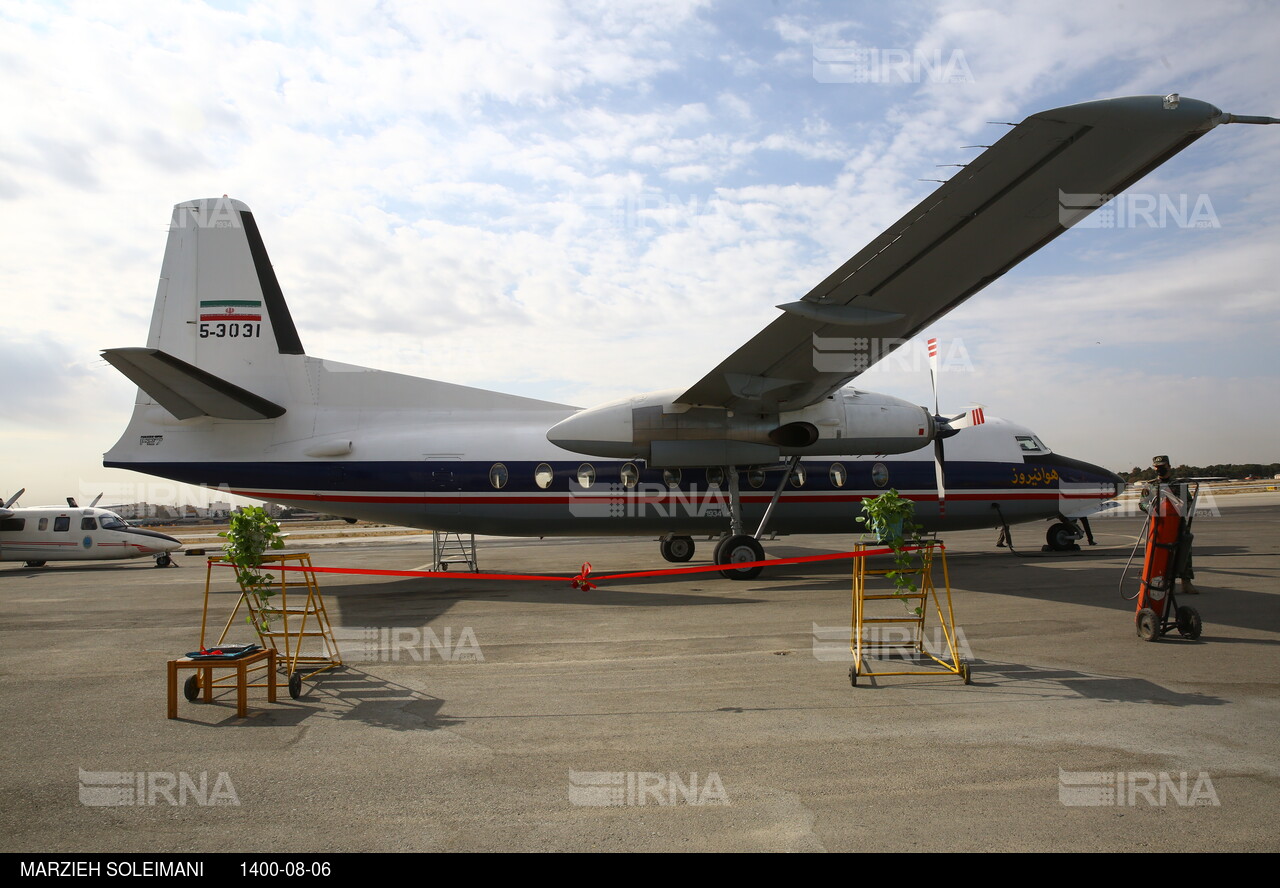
(1045, 174)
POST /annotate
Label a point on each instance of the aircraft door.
(444, 485)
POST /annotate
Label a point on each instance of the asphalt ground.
(663, 714)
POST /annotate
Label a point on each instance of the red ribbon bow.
(581, 581)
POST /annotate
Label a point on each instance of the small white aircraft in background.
(769, 441)
(74, 533)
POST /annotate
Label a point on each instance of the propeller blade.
(71, 501)
(939, 457)
(933, 371)
(13, 499)
(95, 500)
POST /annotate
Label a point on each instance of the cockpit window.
(112, 522)
(1031, 444)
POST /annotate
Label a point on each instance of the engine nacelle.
(652, 427)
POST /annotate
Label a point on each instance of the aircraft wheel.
(164, 560)
(1189, 625)
(191, 688)
(1061, 537)
(295, 685)
(1148, 624)
(739, 549)
(35, 564)
(677, 548)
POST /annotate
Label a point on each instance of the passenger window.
(798, 476)
(586, 475)
(498, 476)
(755, 478)
(61, 524)
(543, 475)
(88, 524)
(44, 524)
(838, 475)
(715, 477)
(630, 475)
(12, 525)
(671, 477)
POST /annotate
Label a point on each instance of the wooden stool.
(240, 665)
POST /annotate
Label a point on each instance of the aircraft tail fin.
(220, 329)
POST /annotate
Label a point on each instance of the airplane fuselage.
(67, 533)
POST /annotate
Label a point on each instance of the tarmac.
(660, 714)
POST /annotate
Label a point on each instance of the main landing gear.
(677, 548)
(740, 547)
(1061, 537)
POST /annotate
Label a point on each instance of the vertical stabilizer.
(219, 306)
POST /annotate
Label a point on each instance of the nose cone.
(152, 542)
(600, 431)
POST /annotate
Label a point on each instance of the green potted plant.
(889, 516)
(251, 532)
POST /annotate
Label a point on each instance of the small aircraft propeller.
(946, 427)
(13, 499)
(95, 500)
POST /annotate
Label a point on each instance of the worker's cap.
(1159, 461)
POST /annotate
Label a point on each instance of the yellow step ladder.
(296, 628)
(867, 641)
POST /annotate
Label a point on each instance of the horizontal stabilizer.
(187, 391)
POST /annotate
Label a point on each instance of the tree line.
(1223, 470)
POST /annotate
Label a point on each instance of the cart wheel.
(295, 685)
(444, 565)
(853, 676)
(191, 688)
(964, 673)
(1189, 624)
(1148, 624)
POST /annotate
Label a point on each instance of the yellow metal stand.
(298, 631)
(866, 642)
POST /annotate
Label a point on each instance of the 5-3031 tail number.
(231, 330)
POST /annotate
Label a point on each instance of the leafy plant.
(250, 533)
(889, 516)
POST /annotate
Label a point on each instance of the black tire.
(1061, 537)
(736, 549)
(965, 674)
(1148, 624)
(191, 688)
(35, 564)
(853, 676)
(678, 549)
(1189, 624)
(295, 685)
(443, 565)
(164, 560)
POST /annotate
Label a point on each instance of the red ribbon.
(581, 581)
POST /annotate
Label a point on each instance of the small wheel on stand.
(964, 673)
(853, 676)
(1148, 624)
(295, 685)
(1189, 625)
(191, 687)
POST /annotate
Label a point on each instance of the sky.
(578, 201)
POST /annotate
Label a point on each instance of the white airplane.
(41, 534)
(770, 441)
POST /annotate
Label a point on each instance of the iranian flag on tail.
(231, 309)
